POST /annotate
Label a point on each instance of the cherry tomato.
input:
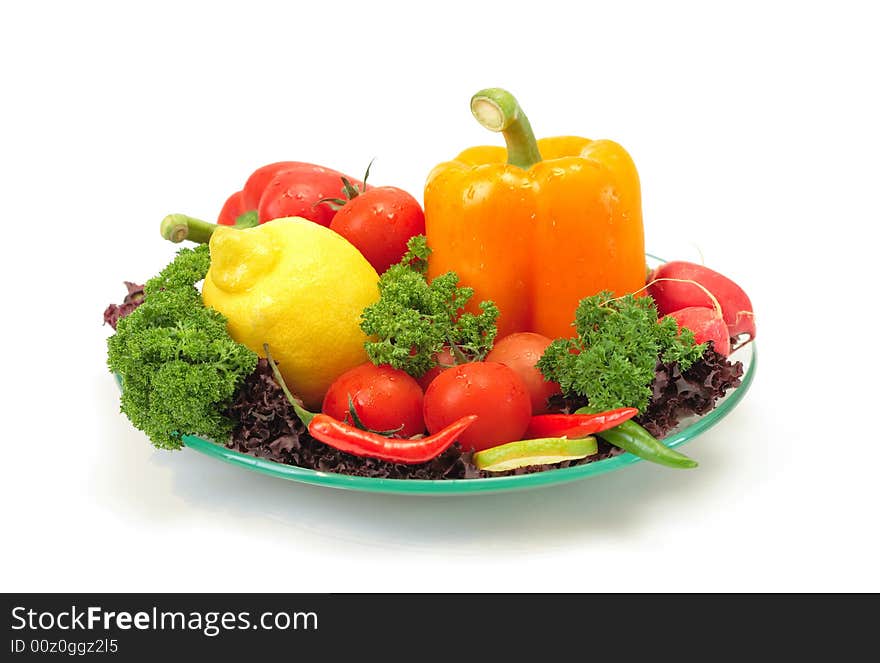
(298, 190)
(384, 398)
(256, 183)
(444, 360)
(232, 209)
(379, 222)
(521, 352)
(494, 392)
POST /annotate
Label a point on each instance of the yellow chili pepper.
(537, 226)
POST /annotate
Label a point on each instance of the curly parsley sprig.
(613, 358)
(414, 319)
(179, 367)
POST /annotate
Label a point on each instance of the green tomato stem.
(459, 356)
(498, 110)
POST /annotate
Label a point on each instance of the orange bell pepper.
(538, 226)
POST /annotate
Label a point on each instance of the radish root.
(718, 309)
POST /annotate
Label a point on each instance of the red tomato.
(379, 222)
(296, 191)
(494, 392)
(384, 399)
(256, 183)
(232, 209)
(444, 360)
(521, 352)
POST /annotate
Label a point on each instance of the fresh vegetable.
(371, 444)
(679, 284)
(268, 427)
(536, 225)
(612, 359)
(134, 298)
(414, 319)
(179, 367)
(232, 209)
(359, 442)
(299, 191)
(525, 453)
(577, 425)
(300, 288)
(521, 352)
(534, 235)
(631, 437)
(706, 323)
(380, 222)
(258, 180)
(493, 392)
(676, 393)
(379, 398)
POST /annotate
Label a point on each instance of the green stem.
(459, 356)
(498, 110)
(304, 415)
(178, 227)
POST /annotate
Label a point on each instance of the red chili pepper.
(577, 425)
(364, 443)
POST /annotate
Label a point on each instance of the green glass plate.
(686, 431)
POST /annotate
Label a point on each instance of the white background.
(755, 131)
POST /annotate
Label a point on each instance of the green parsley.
(413, 319)
(179, 367)
(613, 358)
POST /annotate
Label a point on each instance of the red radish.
(679, 285)
(706, 324)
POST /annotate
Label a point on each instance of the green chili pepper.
(631, 437)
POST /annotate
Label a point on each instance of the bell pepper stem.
(178, 227)
(498, 110)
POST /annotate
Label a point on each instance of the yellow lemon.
(299, 287)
